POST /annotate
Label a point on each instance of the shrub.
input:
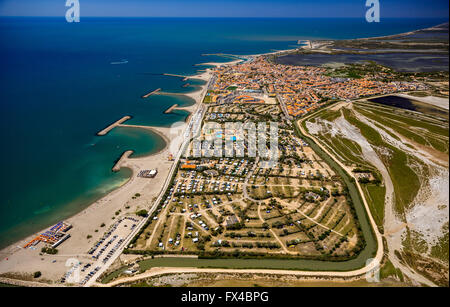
(142, 213)
(49, 250)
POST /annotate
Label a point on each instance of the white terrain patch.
(429, 210)
(315, 128)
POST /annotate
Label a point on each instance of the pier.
(185, 78)
(114, 125)
(151, 93)
(174, 75)
(169, 110)
(122, 159)
(170, 94)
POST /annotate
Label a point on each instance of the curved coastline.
(10, 248)
(107, 190)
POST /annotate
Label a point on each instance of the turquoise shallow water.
(58, 88)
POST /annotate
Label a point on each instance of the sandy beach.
(25, 261)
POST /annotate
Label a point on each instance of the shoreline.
(402, 34)
(120, 123)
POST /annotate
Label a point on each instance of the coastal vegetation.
(142, 213)
(49, 250)
(37, 274)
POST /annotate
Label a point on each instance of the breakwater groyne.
(170, 94)
(169, 110)
(122, 159)
(185, 78)
(114, 125)
(151, 93)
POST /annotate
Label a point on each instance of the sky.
(227, 8)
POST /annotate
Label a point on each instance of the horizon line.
(227, 17)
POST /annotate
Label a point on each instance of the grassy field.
(376, 195)
(357, 262)
(348, 151)
(428, 132)
(441, 249)
(328, 115)
(341, 147)
(388, 270)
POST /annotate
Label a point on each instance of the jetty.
(169, 110)
(170, 94)
(151, 93)
(122, 159)
(114, 125)
(174, 75)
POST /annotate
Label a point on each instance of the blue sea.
(60, 83)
